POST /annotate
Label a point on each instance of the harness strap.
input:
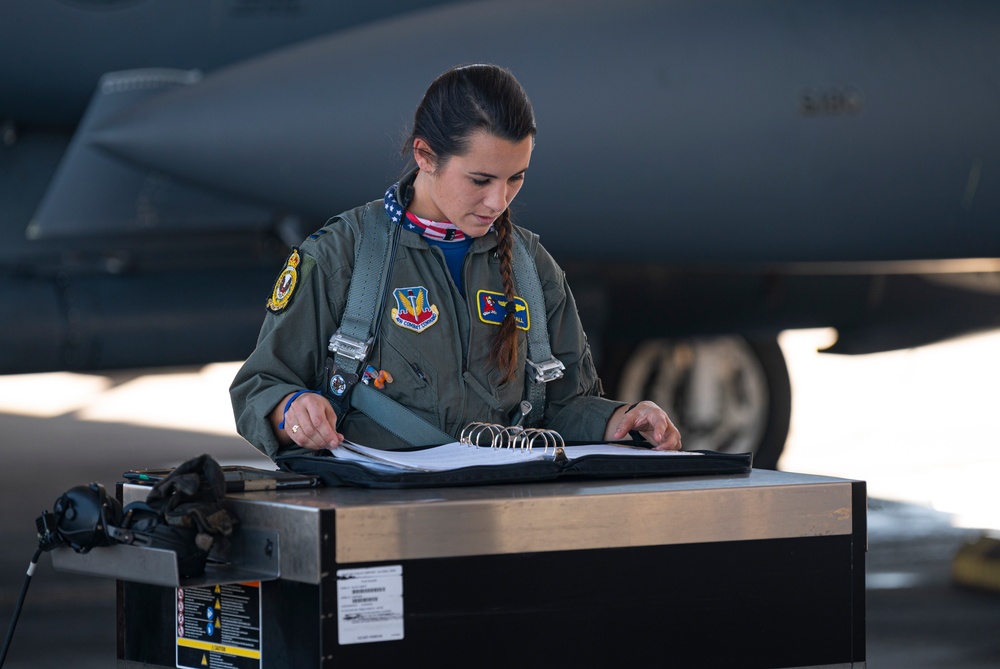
(351, 344)
(542, 366)
(396, 418)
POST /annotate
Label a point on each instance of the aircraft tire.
(727, 394)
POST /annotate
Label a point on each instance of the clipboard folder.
(494, 454)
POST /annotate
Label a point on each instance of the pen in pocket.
(418, 372)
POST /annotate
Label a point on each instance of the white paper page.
(343, 452)
(440, 458)
(574, 452)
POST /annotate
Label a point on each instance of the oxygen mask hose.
(48, 538)
(20, 604)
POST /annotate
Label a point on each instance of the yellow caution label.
(216, 648)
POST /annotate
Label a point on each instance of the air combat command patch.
(493, 309)
(413, 309)
(284, 287)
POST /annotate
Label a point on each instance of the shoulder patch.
(492, 308)
(284, 287)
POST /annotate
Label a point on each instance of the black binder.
(355, 465)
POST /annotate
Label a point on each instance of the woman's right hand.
(310, 422)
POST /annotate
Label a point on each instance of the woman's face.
(473, 189)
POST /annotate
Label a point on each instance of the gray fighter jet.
(708, 173)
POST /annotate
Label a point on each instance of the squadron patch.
(284, 287)
(493, 309)
(413, 309)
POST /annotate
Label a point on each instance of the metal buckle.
(355, 349)
(548, 370)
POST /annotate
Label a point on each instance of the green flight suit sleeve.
(574, 405)
(291, 347)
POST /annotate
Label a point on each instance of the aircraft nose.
(262, 129)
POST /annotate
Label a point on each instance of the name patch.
(493, 309)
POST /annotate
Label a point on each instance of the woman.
(453, 330)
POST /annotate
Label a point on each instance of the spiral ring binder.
(491, 453)
(494, 453)
(501, 436)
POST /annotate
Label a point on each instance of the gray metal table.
(757, 570)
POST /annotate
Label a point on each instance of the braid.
(503, 354)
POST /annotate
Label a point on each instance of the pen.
(137, 476)
(522, 410)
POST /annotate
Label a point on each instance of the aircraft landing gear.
(725, 394)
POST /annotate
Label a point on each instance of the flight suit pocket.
(414, 378)
(509, 393)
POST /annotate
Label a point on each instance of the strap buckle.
(545, 371)
(355, 349)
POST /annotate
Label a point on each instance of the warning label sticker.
(218, 627)
(370, 604)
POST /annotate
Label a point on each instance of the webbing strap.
(351, 344)
(542, 366)
(373, 251)
(396, 418)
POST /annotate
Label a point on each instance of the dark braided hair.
(503, 354)
(460, 102)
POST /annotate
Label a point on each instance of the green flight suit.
(433, 341)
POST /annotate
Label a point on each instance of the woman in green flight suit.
(451, 341)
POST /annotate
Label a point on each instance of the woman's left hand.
(650, 421)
